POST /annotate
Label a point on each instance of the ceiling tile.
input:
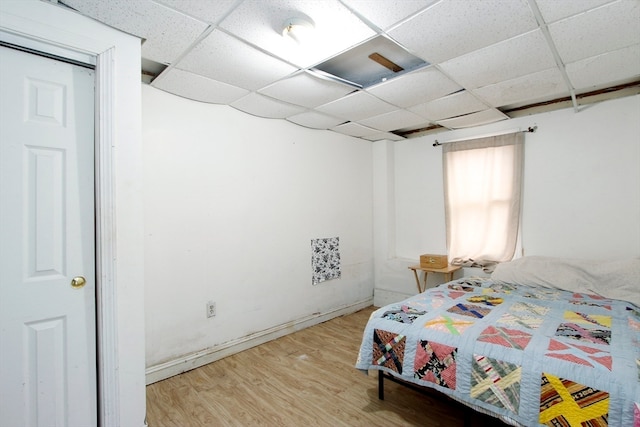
(415, 88)
(167, 32)
(386, 14)
(554, 10)
(209, 11)
(452, 27)
(536, 87)
(384, 136)
(315, 120)
(306, 90)
(521, 55)
(395, 120)
(336, 28)
(355, 129)
(474, 119)
(356, 106)
(263, 106)
(610, 27)
(198, 88)
(227, 59)
(595, 73)
(449, 106)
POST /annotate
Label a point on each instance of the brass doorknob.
(78, 282)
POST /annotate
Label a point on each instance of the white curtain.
(482, 188)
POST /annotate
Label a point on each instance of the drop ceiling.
(468, 62)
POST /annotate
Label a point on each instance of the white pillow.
(617, 279)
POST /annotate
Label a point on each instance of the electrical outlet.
(211, 308)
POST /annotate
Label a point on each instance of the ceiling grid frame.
(528, 88)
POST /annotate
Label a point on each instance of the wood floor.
(303, 379)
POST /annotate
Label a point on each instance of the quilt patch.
(567, 403)
(403, 314)
(522, 320)
(456, 294)
(580, 354)
(436, 363)
(418, 304)
(461, 287)
(388, 350)
(595, 297)
(543, 294)
(584, 333)
(470, 310)
(503, 288)
(582, 299)
(437, 299)
(437, 302)
(496, 382)
(590, 304)
(525, 307)
(325, 259)
(588, 319)
(510, 338)
(449, 325)
(486, 299)
(473, 281)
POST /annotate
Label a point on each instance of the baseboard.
(200, 358)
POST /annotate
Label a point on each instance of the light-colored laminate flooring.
(303, 379)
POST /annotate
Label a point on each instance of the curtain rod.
(530, 129)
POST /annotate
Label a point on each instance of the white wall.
(232, 202)
(581, 191)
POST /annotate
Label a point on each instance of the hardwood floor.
(303, 379)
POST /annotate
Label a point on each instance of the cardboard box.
(433, 261)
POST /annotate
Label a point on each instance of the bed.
(542, 341)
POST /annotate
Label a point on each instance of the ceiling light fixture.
(297, 29)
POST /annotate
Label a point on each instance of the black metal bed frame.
(467, 412)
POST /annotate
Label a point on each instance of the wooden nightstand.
(447, 272)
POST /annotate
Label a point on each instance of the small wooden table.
(447, 271)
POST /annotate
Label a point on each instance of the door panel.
(44, 211)
(47, 327)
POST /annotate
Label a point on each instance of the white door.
(47, 326)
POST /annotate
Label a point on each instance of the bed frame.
(467, 414)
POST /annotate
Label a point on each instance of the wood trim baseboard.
(194, 360)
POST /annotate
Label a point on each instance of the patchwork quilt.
(528, 355)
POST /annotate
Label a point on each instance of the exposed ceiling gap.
(377, 60)
(619, 91)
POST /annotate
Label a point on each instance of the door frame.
(119, 278)
(106, 297)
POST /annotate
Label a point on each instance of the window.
(482, 186)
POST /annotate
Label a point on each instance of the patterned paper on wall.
(325, 259)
